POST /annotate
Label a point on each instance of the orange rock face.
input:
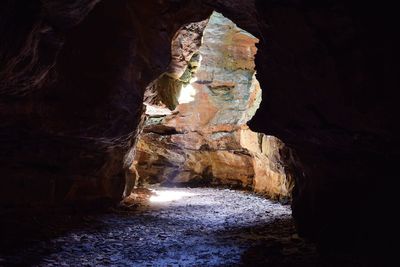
(205, 140)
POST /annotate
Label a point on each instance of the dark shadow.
(27, 235)
(278, 244)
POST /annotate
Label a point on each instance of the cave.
(196, 133)
(195, 130)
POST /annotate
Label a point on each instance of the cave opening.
(195, 131)
(198, 164)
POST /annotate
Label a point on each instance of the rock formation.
(205, 140)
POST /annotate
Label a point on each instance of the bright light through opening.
(166, 196)
(187, 92)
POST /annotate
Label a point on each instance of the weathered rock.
(226, 91)
(165, 159)
(271, 163)
(205, 140)
(184, 44)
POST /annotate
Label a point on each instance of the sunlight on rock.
(155, 110)
(187, 93)
(166, 196)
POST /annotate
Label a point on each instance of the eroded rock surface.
(205, 140)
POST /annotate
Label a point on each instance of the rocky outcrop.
(273, 164)
(205, 140)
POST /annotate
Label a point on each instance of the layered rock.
(205, 140)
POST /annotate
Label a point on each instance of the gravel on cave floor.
(204, 227)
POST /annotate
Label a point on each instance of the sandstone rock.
(272, 176)
(208, 141)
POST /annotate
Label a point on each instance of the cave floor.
(198, 227)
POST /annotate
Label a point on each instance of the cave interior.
(187, 133)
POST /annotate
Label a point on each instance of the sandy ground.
(178, 227)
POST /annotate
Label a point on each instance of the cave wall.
(328, 96)
(73, 74)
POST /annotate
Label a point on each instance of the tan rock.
(206, 139)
